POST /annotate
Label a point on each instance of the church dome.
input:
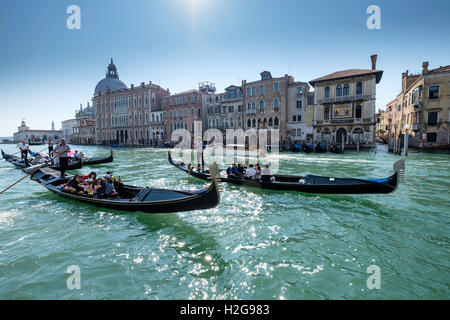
(111, 81)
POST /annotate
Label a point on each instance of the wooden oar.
(28, 174)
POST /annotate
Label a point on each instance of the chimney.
(373, 58)
(132, 86)
(425, 67)
(150, 82)
(142, 84)
(244, 82)
(405, 74)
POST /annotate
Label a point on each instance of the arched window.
(270, 122)
(254, 123)
(276, 104)
(339, 91)
(261, 105)
(327, 92)
(239, 122)
(346, 90)
(358, 112)
(249, 123)
(249, 106)
(359, 88)
(276, 122)
(253, 105)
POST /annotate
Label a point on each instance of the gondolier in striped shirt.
(62, 151)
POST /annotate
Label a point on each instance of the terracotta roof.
(348, 73)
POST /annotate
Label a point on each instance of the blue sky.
(47, 70)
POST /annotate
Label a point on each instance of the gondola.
(19, 163)
(310, 183)
(320, 148)
(93, 161)
(307, 148)
(296, 148)
(336, 149)
(132, 199)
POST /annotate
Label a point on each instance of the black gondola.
(310, 183)
(336, 149)
(93, 161)
(306, 148)
(19, 163)
(132, 199)
(319, 148)
(296, 148)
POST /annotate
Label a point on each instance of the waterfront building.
(85, 128)
(265, 104)
(226, 110)
(68, 128)
(122, 114)
(24, 133)
(299, 127)
(423, 104)
(180, 111)
(345, 106)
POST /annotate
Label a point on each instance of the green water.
(254, 245)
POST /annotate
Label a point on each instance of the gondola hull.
(19, 163)
(146, 200)
(94, 161)
(307, 184)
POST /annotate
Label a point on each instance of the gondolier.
(24, 150)
(62, 151)
(51, 145)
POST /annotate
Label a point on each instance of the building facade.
(24, 133)
(226, 110)
(265, 105)
(423, 109)
(68, 128)
(345, 107)
(180, 111)
(300, 113)
(123, 115)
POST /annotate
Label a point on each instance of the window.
(299, 90)
(346, 90)
(249, 123)
(431, 136)
(240, 108)
(276, 122)
(433, 92)
(432, 118)
(249, 92)
(399, 107)
(232, 94)
(261, 105)
(339, 91)
(253, 105)
(276, 87)
(185, 99)
(358, 112)
(326, 114)
(310, 100)
(359, 88)
(249, 106)
(299, 104)
(276, 104)
(327, 92)
(261, 89)
(253, 91)
(294, 118)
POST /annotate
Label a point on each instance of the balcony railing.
(356, 97)
(252, 111)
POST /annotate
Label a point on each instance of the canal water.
(254, 245)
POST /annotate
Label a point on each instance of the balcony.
(252, 111)
(156, 123)
(418, 103)
(356, 97)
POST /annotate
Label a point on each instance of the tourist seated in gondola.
(92, 175)
(234, 172)
(75, 185)
(241, 169)
(75, 155)
(110, 190)
(258, 171)
(250, 173)
(89, 187)
(265, 174)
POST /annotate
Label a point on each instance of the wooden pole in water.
(343, 142)
(357, 143)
